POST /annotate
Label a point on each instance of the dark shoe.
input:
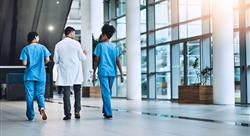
(43, 113)
(77, 115)
(31, 120)
(107, 117)
(67, 118)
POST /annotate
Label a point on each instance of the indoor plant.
(202, 75)
(199, 92)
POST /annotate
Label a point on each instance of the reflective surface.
(144, 118)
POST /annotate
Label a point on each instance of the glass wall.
(163, 84)
(116, 14)
(193, 53)
(247, 44)
(74, 18)
(121, 87)
(174, 34)
(248, 48)
(120, 7)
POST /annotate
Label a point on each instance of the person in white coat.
(68, 56)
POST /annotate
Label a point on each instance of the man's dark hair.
(109, 30)
(31, 36)
(68, 30)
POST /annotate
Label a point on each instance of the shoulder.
(75, 42)
(114, 45)
(58, 44)
(61, 42)
(26, 47)
(72, 41)
(43, 46)
(99, 45)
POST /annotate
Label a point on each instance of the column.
(97, 17)
(151, 51)
(86, 40)
(223, 52)
(133, 50)
(243, 52)
(175, 50)
(206, 40)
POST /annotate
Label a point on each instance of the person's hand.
(94, 80)
(122, 79)
(85, 52)
(94, 77)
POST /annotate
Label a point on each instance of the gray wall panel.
(18, 17)
(55, 15)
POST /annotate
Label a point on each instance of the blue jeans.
(106, 83)
(32, 89)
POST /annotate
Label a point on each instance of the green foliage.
(202, 74)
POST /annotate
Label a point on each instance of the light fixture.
(57, 2)
(50, 28)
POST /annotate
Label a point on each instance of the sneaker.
(77, 115)
(43, 113)
(67, 118)
(107, 117)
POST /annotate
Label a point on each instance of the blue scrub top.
(107, 53)
(35, 55)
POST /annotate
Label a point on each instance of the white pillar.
(86, 40)
(97, 17)
(223, 55)
(133, 49)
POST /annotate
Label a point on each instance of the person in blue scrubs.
(106, 59)
(34, 56)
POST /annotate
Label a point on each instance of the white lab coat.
(68, 56)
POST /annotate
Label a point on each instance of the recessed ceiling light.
(58, 2)
(50, 28)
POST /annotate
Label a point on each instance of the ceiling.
(18, 17)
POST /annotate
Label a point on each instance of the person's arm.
(118, 63)
(96, 63)
(97, 54)
(46, 55)
(56, 56)
(47, 60)
(82, 54)
(24, 57)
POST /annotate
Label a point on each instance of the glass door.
(183, 56)
(193, 58)
(177, 66)
(163, 82)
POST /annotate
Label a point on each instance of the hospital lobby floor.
(130, 118)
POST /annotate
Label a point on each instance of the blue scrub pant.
(106, 83)
(32, 89)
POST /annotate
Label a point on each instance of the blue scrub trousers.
(106, 83)
(32, 89)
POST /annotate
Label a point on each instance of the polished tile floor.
(131, 118)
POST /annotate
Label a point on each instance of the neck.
(107, 40)
(33, 43)
(69, 37)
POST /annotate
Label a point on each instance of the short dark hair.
(31, 36)
(108, 30)
(68, 30)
